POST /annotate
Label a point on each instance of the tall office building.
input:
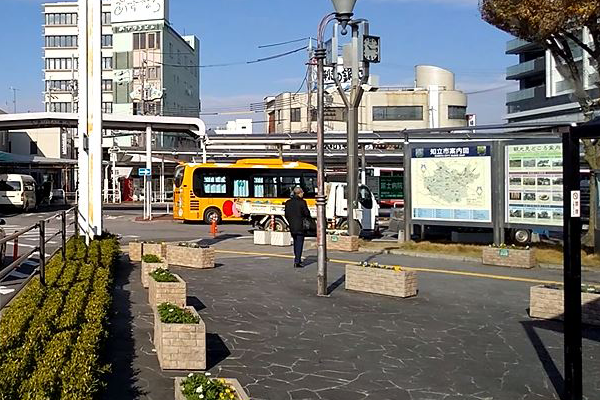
(544, 95)
(148, 68)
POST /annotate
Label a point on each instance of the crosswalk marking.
(5, 290)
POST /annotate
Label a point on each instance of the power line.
(259, 60)
(283, 43)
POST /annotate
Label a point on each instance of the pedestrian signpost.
(145, 172)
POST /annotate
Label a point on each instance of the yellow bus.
(205, 192)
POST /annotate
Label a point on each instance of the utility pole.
(14, 90)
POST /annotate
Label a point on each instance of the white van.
(17, 191)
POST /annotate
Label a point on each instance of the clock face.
(371, 49)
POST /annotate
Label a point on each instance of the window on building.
(296, 114)
(154, 73)
(335, 114)
(61, 41)
(60, 85)
(457, 112)
(107, 107)
(60, 107)
(106, 18)
(61, 64)
(146, 40)
(398, 113)
(33, 148)
(107, 40)
(107, 85)
(107, 63)
(61, 19)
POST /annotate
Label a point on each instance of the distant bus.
(207, 192)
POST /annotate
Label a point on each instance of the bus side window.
(265, 186)
(241, 188)
(288, 183)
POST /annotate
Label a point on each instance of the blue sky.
(446, 33)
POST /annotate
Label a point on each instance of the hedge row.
(51, 337)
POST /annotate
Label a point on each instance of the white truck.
(269, 216)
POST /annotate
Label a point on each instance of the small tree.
(555, 26)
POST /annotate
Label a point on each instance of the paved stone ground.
(461, 338)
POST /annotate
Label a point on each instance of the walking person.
(296, 212)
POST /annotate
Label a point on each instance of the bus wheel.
(212, 214)
(522, 236)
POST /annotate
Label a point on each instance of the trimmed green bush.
(51, 338)
(171, 314)
(163, 275)
(151, 259)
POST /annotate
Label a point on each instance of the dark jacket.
(295, 211)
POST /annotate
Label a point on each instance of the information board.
(534, 184)
(452, 183)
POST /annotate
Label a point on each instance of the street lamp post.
(321, 198)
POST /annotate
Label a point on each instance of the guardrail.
(41, 226)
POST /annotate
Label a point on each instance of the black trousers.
(298, 247)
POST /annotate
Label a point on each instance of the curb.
(421, 255)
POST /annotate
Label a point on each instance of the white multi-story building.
(544, 95)
(147, 68)
(432, 102)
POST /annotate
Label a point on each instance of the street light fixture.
(344, 10)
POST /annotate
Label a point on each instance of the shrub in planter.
(342, 243)
(203, 387)
(179, 338)
(166, 287)
(151, 263)
(51, 338)
(508, 256)
(380, 279)
(191, 255)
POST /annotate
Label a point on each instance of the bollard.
(213, 227)
(16, 249)
(272, 223)
(42, 249)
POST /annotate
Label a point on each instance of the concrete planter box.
(262, 237)
(167, 292)
(381, 281)
(281, 239)
(548, 303)
(150, 267)
(192, 257)
(135, 251)
(138, 249)
(508, 257)
(180, 346)
(342, 243)
(234, 383)
(158, 249)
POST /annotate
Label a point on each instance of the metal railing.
(40, 226)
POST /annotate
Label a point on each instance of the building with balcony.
(432, 102)
(544, 95)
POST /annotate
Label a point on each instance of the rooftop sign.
(139, 10)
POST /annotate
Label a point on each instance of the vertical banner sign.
(452, 183)
(90, 118)
(534, 184)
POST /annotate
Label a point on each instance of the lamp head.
(344, 9)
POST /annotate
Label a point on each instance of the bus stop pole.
(572, 267)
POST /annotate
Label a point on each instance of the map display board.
(452, 183)
(535, 184)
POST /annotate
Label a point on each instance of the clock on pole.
(371, 49)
